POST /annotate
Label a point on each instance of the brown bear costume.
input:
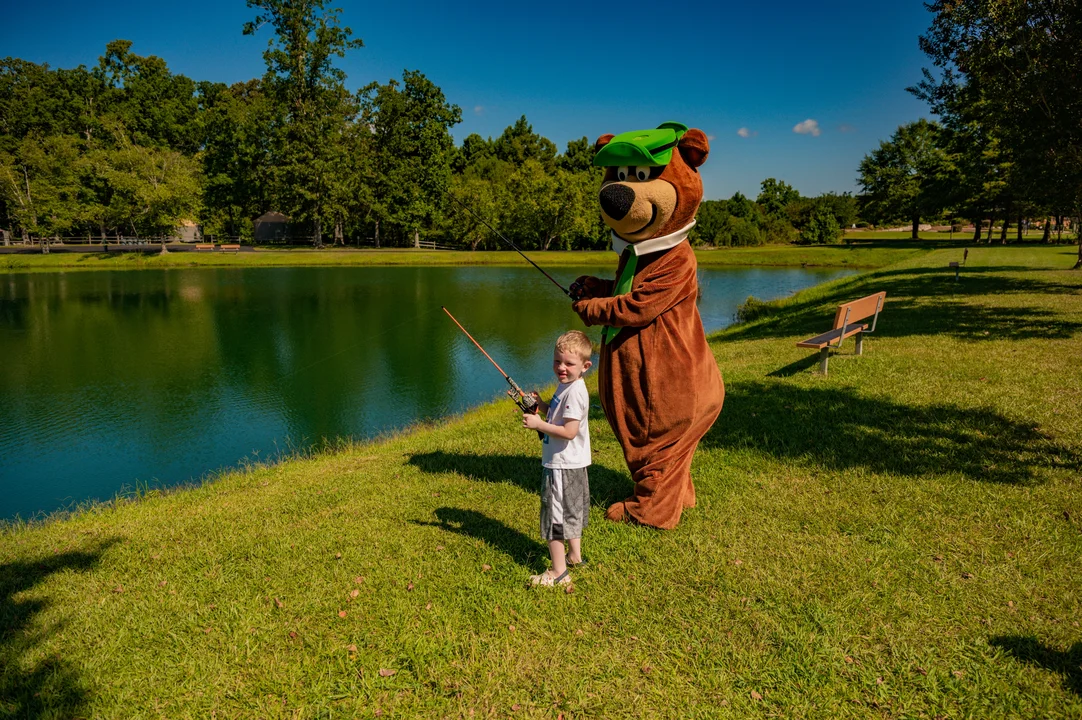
(659, 384)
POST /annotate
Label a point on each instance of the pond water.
(113, 380)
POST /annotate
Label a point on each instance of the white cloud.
(478, 109)
(808, 127)
(846, 128)
(746, 133)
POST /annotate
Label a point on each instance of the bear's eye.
(642, 173)
(621, 173)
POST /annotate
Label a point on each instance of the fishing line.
(500, 235)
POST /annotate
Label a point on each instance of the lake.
(117, 379)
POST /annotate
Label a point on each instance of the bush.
(956, 227)
(821, 229)
(753, 308)
(777, 230)
(743, 232)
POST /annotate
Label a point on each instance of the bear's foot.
(617, 512)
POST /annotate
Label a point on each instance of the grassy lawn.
(900, 539)
(865, 255)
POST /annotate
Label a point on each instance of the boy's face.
(568, 366)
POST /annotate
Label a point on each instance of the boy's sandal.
(567, 560)
(547, 579)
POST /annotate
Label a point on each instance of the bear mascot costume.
(659, 384)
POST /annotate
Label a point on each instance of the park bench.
(848, 321)
(230, 248)
(204, 246)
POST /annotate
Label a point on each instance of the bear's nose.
(616, 200)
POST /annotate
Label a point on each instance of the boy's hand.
(531, 421)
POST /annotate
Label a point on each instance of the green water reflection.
(157, 377)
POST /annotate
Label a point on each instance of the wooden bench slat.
(821, 341)
(858, 309)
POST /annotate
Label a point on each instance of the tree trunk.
(977, 230)
(1019, 227)
(916, 227)
(416, 238)
(338, 239)
(1006, 225)
(1059, 229)
(1047, 230)
(991, 222)
(318, 239)
(377, 233)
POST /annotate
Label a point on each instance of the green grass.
(862, 256)
(900, 539)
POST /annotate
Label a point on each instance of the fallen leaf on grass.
(354, 592)
(352, 648)
(338, 556)
(279, 603)
(849, 660)
(163, 583)
(207, 630)
(579, 632)
(958, 673)
(967, 576)
(879, 680)
(738, 561)
(516, 707)
(292, 635)
(341, 613)
(428, 606)
(485, 567)
(118, 589)
(439, 547)
(1010, 603)
(409, 587)
(646, 669)
(937, 558)
(386, 672)
(155, 557)
(511, 628)
(756, 696)
(569, 589)
(921, 670)
(359, 579)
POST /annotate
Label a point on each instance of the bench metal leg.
(824, 357)
(860, 343)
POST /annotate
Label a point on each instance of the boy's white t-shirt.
(571, 402)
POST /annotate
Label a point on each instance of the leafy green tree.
(579, 156)
(822, 227)
(520, 143)
(41, 186)
(903, 176)
(775, 196)
(711, 224)
(410, 148)
(311, 104)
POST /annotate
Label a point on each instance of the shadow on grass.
(928, 301)
(521, 548)
(606, 486)
(1029, 649)
(52, 686)
(839, 429)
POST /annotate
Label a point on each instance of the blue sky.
(578, 68)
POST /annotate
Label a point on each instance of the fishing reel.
(526, 402)
(577, 290)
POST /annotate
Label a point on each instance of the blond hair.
(575, 341)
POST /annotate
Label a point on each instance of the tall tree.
(903, 177)
(775, 196)
(410, 149)
(312, 106)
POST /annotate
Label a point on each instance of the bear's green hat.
(641, 147)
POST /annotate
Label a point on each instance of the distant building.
(188, 231)
(271, 227)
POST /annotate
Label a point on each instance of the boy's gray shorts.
(565, 503)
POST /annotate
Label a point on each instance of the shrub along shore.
(899, 539)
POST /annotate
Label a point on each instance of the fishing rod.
(515, 247)
(525, 401)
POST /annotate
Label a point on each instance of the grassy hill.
(899, 539)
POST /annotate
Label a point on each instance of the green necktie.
(623, 287)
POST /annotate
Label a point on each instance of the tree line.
(128, 148)
(1006, 84)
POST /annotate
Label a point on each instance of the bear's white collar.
(653, 244)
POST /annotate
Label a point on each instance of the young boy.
(565, 455)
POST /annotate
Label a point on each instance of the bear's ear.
(603, 141)
(694, 147)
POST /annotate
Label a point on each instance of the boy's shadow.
(606, 486)
(1028, 649)
(518, 546)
